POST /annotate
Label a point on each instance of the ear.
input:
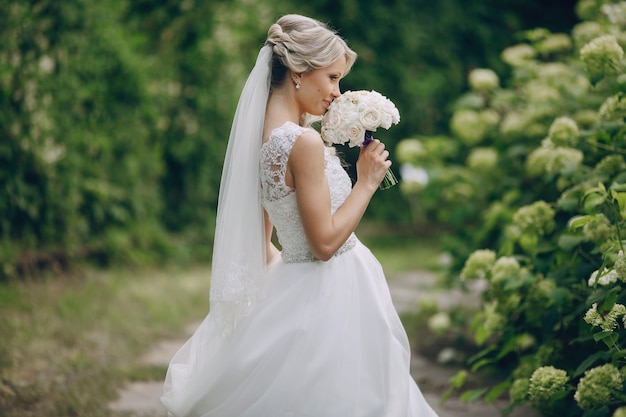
(296, 77)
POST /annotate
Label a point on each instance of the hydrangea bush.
(533, 185)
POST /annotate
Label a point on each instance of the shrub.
(545, 226)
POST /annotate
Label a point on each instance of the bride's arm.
(270, 249)
(326, 232)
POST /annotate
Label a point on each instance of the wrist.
(365, 186)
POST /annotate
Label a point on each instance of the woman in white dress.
(310, 330)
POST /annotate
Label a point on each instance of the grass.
(66, 344)
(404, 253)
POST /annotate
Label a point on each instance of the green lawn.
(67, 343)
(402, 253)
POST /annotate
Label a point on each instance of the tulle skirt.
(324, 341)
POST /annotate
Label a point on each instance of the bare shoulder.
(306, 159)
(309, 143)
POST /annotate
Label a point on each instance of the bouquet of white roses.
(353, 116)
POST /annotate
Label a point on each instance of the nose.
(335, 93)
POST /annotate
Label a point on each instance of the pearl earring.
(297, 85)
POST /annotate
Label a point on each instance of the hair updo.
(302, 44)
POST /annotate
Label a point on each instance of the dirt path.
(142, 399)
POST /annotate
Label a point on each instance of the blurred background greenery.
(114, 114)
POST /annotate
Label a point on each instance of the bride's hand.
(372, 163)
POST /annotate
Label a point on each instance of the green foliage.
(543, 224)
(114, 123)
(115, 114)
(417, 53)
(75, 117)
(202, 53)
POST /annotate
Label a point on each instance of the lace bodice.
(279, 199)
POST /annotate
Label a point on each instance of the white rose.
(371, 118)
(386, 121)
(328, 135)
(355, 135)
(332, 119)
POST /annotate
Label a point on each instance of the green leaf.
(576, 222)
(602, 335)
(618, 356)
(508, 347)
(587, 363)
(495, 392)
(488, 350)
(483, 362)
(597, 412)
(609, 302)
(568, 204)
(458, 379)
(455, 382)
(592, 201)
(524, 280)
(481, 335)
(473, 395)
(559, 296)
(609, 337)
(568, 242)
(597, 296)
(620, 198)
(618, 187)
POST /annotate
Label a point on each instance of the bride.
(310, 330)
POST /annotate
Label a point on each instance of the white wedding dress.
(323, 340)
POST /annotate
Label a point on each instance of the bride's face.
(318, 88)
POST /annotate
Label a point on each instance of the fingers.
(377, 148)
(373, 163)
(374, 145)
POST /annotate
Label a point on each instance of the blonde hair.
(302, 44)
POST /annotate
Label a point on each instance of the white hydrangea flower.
(478, 263)
(537, 161)
(586, 31)
(564, 132)
(46, 64)
(483, 159)
(409, 150)
(564, 160)
(525, 341)
(440, 322)
(505, 267)
(539, 91)
(493, 321)
(518, 55)
(514, 124)
(602, 55)
(616, 13)
(545, 383)
(606, 321)
(558, 42)
(414, 174)
(448, 355)
(598, 386)
(620, 266)
(472, 126)
(613, 108)
(483, 80)
(606, 278)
